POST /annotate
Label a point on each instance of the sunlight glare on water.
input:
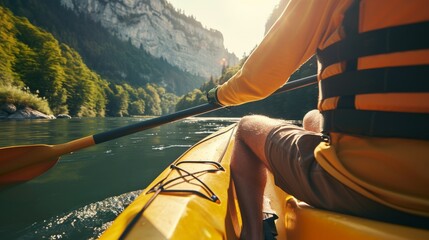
(79, 223)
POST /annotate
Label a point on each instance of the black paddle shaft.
(204, 108)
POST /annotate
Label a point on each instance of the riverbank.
(10, 111)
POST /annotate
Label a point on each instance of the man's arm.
(291, 41)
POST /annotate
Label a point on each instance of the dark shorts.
(290, 152)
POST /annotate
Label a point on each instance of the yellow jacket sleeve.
(291, 41)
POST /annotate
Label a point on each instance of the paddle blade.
(22, 163)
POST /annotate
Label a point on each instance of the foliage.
(136, 108)
(191, 99)
(168, 103)
(34, 59)
(153, 101)
(150, 99)
(23, 98)
(118, 101)
(115, 60)
(85, 89)
(39, 63)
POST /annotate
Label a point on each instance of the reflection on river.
(86, 190)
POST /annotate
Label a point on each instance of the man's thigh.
(253, 131)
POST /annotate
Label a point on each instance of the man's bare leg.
(248, 168)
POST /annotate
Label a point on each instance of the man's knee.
(249, 124)
(256, 126)
(312, 121)
(253, 131)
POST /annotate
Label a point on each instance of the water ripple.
(90, 220)
(170, 146)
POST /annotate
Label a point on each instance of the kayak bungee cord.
(163, 185)
(160, 187)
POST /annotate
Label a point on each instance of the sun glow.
(223, 62)
(242, 22)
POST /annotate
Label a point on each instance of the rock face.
(64, 116)
(8, 108)
(9, 111)
(157, 27)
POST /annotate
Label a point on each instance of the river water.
(83, 193)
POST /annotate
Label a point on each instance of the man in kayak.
(372, 158)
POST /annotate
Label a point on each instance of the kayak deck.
(179, 215)
(194, 199)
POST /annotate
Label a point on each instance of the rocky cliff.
(161, 30)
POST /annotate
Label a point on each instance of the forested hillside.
(114, 60)
(33, 61)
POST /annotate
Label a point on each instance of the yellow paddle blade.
(22, 163)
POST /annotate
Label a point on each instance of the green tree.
(136, 107)
(118, 101)
(168, 103)
(153, 101)
(85, 89)
(52, 76)
(8, 49)
(191, 99)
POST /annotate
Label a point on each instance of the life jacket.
(358, 100)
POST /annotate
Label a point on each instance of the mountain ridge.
(161, 30)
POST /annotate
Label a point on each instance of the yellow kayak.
(194, 199)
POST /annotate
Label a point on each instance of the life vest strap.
(407, 37)
(407, 79)
(377, 123)
(351, 30)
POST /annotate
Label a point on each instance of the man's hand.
(212, 97)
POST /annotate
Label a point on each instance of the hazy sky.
(242, 22)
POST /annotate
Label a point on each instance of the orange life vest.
(383, 100)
